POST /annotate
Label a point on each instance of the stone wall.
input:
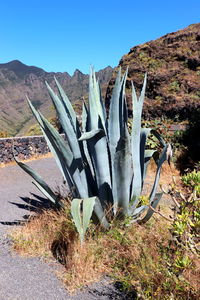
(24, 148)
(33, 146)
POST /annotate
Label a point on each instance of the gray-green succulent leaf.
(81, 210)
(103, 163)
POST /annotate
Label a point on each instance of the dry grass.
(192, 274)
(37, 236)
(115, 253)
(134, 255)
(141, 257)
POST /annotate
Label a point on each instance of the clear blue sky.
(63, 35)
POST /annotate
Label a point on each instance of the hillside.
(173, 66)
(18, 80)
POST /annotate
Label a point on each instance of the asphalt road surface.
(31, 278)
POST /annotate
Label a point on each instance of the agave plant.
(103, 164)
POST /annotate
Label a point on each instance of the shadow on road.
(33, 205)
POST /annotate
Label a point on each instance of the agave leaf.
(98, 146)
(39, 182)
(64, 155)
(36, 114)
(117, 133)
(98, 99)
(82, 216)
(114, 132)
(98, 133)
(138, 211)
(98, 149)
(89, 169)
(142, 94)
(60, 165)
(76, 215)
(98, 209)
(150, 211)
(147, 157)
(57, 204)
(66, 123)
(67, 104)
(88, 207)
(162, 159)
(117, 113)
(95, 103)
(113, 121)
(159, 137)
(70, 134)
(138, 103)
(85, 147)
(136, 135)
(123, 171)
(123, 104)
(137, 182)
(143, 137)
(104, 115)
(84, 117)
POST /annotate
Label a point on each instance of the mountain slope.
(173, 66)
(18, 80)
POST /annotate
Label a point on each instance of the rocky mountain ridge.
(172, 63)
(18, 80)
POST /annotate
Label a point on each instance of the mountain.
(173, 90)
(18, 80)
(172, 63)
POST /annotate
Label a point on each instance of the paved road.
(15, 184)
(30, 278)
(22, 278)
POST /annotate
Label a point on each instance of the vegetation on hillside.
(3, 134)
(173, 66)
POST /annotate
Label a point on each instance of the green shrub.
(186, 226)
(174, 86)
(192, 180)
